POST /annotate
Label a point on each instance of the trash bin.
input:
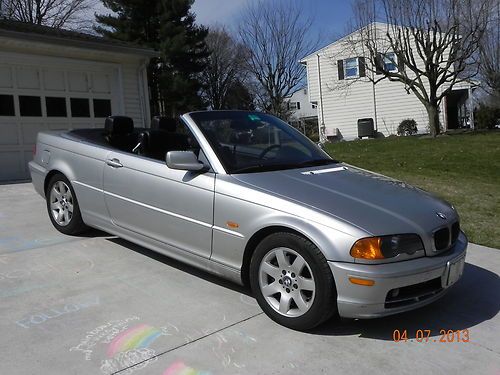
(366, 128)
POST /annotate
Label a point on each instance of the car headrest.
(168, 124)
(119, 125)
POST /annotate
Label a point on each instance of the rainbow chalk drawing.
(137, 337)
(179, 368)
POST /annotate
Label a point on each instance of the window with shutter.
(390, 62)
(362, 66)
(340, 66)
(351, 68)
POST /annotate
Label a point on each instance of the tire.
(62, 206)
(292, 281)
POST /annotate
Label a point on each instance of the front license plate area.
(453, 272)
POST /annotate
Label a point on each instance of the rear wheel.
(62, 206)
(292, 281)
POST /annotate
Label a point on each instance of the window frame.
(50, 114)
(11, 105)
(346, 76)
(37, 100)
(394, 62)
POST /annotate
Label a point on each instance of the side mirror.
(184, 160)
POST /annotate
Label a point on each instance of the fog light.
(395, 292)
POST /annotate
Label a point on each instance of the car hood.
(377, 204)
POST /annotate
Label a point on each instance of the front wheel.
(62, 206)
(292, 281)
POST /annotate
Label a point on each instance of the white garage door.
(49, 97)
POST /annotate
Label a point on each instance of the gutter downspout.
(374, 105)
(322, 127)
(471, 106)
(373, 81)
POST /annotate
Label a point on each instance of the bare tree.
(490, 56)
(53, 13)
(276, 34)
(433, 43)
(225, 67)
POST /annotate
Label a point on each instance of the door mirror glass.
(184, 160)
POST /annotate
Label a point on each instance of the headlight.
(386, 247)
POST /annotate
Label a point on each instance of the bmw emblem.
(441, 215)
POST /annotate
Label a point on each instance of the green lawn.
(464, 169)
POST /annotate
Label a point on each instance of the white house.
(59, 79)
(301, 108)
(337, 82)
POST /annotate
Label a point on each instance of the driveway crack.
(188, 343)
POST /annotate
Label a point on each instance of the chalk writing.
(105, 333)
(127, 344)
(132, 360)
(43, 316)
(179, 368)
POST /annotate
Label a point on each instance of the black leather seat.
(160, 142)
(168, 124)
(120, 132)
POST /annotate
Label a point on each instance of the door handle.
(115, 163)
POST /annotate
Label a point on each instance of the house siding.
(346, 101)
(132, 93)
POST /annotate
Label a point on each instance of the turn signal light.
(368, 248)
(364, 282)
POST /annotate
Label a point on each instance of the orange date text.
(425, 335)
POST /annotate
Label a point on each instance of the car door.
(174, 207)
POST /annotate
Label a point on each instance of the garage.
(53, 79)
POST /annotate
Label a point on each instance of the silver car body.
(187, 216)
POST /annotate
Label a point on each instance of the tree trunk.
(433, 113)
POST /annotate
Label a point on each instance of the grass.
(464, 169)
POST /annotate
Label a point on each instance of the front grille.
(455, 231)
(446, 237)
(410, 294)
(441, 239)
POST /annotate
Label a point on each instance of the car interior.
(166, 134)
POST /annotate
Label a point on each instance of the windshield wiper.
(276, 167)
(260, 168)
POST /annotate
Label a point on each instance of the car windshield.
(247, 142)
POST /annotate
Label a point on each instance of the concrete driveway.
(102, 305)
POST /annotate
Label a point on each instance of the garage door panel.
(28, 78)
(30, 130)
(78, 82)
(6, 80)
(9, 134)
(36, 98)
(101, 83)
(11, 167)
(54, 80)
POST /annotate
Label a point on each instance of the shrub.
(487, 117)
(407, 127)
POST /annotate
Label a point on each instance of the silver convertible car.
(245, 196)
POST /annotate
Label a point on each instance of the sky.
(331, 17)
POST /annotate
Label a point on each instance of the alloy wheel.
(61, 203)
(287, 282)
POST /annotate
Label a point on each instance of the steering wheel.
(267, 149)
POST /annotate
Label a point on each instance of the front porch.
(458, 109)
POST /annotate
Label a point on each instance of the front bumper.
(425, 280)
